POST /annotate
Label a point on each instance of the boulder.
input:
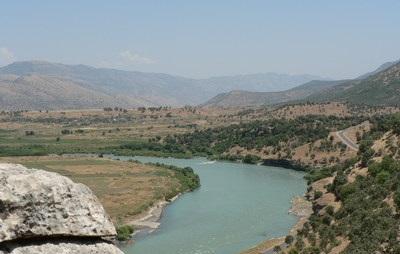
(40, 212)
(40, 203)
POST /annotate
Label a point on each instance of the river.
(236, 207)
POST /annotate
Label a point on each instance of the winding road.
(342, 136)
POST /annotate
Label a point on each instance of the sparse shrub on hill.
(367, 217)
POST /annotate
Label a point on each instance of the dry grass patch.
(125, 189)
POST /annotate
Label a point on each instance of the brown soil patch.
(356, 172)
(320, 184)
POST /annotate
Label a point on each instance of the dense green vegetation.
(151, 148)
(390, 122)
(258, 134)
(187, 178)
(36, 146)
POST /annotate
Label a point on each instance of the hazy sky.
(331, 38)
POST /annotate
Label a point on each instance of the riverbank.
(90, 168)
(301, 208)
(127, 190)
(150, 220)
(227, 214)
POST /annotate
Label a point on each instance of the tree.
(289, 239)
(66, 132)
(277, 248)
(29, 133)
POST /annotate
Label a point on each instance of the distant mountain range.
(45, 85)
(379, 87)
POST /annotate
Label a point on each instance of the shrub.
(29, 133)
(251, 159)
(317, 194)
(330, 210)
(326, 220)
(346, 190)
(277, 248)
(66, 132)
(124, 232)
(382, 177)
(289, 239)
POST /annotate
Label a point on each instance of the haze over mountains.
(45, 85)
(379, 87)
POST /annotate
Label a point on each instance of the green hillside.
(382, 88)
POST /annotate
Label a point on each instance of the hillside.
(382, 88)
(356, 204)
(247, 98)
(365, 89)
(45, 92)
(88, 87)
(150, 89)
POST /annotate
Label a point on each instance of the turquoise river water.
(236, 207)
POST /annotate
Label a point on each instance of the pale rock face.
(66, 248)
(40, 205)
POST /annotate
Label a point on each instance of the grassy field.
(126, 189)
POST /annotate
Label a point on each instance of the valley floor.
(128, 189)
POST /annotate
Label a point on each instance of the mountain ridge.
(381, 88)
(247, 98)
(315, 91)
(132, 88)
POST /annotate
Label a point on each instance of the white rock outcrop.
(65, 248)
(39, 205)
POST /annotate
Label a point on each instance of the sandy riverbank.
(150, 221)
